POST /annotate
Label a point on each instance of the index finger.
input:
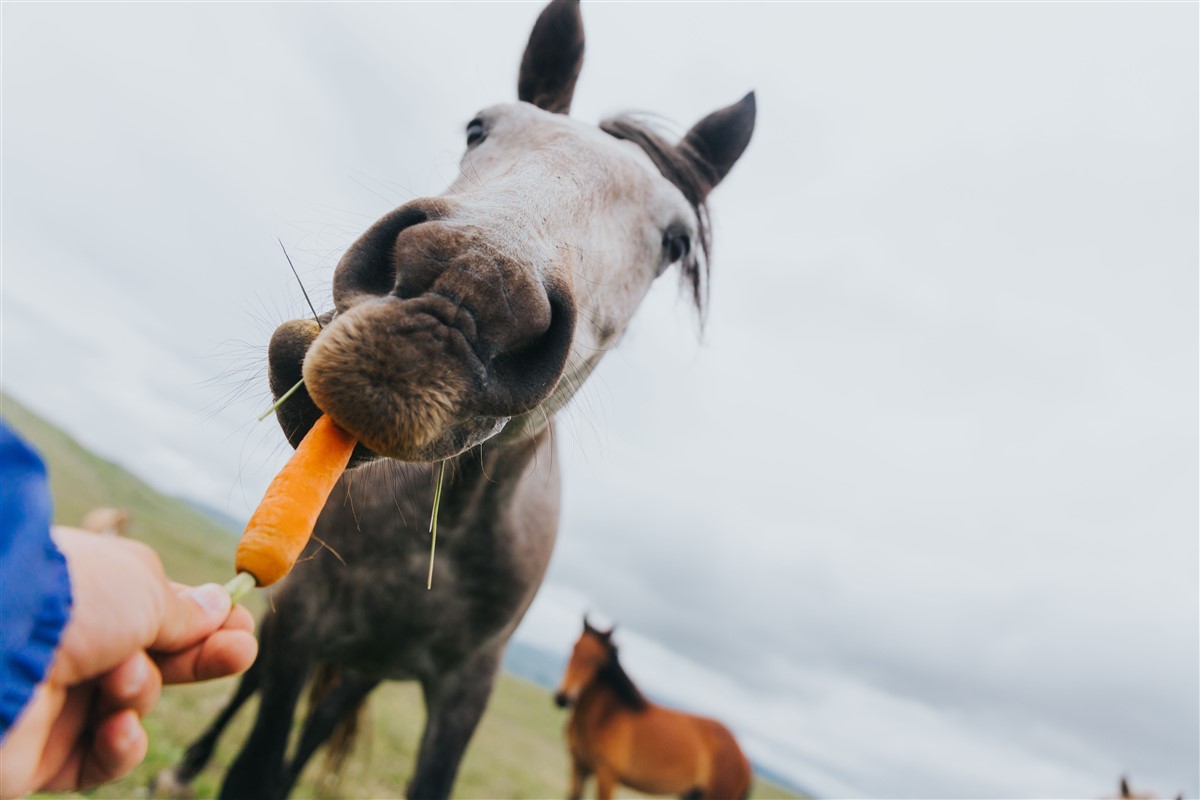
(227, 652)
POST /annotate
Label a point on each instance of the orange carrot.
(284, 520)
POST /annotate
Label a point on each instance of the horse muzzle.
(438, 339)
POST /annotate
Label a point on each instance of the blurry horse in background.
(1130, 794)
(622, 737)
(106, 521)
(461, 324)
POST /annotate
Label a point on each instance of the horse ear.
(553, 58)
(606, 635)
(1124, 787)
(716, 142)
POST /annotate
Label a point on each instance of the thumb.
(190, 616)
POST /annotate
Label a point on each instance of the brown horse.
(622, 737)
(460, 325)
(106, 521)
(1130, 794)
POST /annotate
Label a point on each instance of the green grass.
(517, 752)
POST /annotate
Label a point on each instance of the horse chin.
(399, 442)
(455, 440)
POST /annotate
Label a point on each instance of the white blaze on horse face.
(578, 207)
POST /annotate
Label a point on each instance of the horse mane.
(682, 165)
(614, 677)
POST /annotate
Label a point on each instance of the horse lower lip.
(389, 376)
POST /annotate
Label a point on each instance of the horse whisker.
(325, 544)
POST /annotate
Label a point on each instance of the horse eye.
(475, 132)
(677, 244)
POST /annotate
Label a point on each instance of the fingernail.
(126, 731)
(212, 598)
(137, 677)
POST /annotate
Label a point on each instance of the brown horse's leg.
(579, 774)
(606, 782)
(731, 772)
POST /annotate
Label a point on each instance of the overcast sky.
(918, 515)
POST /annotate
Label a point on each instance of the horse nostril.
(561, 700)
(525, 374)
(369, 266)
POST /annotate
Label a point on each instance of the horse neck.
(490, 473)
(482, 486)
(612, 685)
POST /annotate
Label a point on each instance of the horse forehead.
(590, 646)
(570, 144)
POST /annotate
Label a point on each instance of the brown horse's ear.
(553, 58)
(716, 142)
(1124, 787)
(606, 635)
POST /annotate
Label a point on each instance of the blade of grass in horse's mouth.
(302, 289)
(437, 502)
(281, 400)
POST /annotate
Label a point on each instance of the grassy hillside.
(517, 752)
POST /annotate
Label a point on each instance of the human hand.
(130, 631)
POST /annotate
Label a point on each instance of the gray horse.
(461, 324)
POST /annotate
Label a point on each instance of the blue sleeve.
(35, 590)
